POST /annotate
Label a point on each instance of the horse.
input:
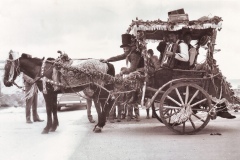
(38, 69)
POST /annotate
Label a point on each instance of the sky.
(93, 28)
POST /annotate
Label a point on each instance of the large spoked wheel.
(156, 112)
(184, 108)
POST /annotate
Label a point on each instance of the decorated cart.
(184, 100)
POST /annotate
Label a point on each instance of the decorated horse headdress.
(11, 68)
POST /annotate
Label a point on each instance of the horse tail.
(111, 69)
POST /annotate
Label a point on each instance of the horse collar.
(43, 66)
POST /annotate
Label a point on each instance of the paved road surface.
(144, 140)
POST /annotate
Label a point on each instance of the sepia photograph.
(119, 80)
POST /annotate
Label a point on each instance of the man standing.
(133, 55)
(32, 101)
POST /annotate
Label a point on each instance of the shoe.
(147, 117)
(129, 118)
(29, 121)
(119, 118)
(38, 120)
(137, 118)
(225, 115)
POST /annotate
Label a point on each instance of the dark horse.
(34, 68)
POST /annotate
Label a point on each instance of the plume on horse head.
(10, 69)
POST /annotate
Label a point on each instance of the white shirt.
(183, 55)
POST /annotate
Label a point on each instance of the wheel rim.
(156, 112)
(184, 108)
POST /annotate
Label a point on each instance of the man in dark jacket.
(133, 55)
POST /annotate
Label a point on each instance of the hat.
(126, 40)
(203, 40)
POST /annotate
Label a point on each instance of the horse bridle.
(12, 71)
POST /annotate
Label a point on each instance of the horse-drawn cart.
(184, 100)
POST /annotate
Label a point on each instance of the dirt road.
(144, 140)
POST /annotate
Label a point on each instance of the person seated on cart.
(192, 51)
(161, 47)
(133, 55)
(154, 62)
(176, 53)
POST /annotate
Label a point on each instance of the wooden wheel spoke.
(195, 94)
(198, 117)
(170, 115)
(171, 107)
(193, 125)
(166, 112)
(175, 123)
(203, 100)
(187, 94)
(179, 96)
(173, 100)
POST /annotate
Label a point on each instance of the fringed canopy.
(155, 30)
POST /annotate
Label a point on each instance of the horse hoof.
(45, 132)
(98, 130)
(52, 130)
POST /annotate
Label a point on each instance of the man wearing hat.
(176, 52)
(130, 54)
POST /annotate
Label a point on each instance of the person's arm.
(117, 58)
(134, 64)
(183, 55)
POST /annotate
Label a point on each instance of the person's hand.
(123, 70)
(169, 53)
(103, 60)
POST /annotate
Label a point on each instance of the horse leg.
(54, 112)
(102, 115)
(99, 125)
(48, 100)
